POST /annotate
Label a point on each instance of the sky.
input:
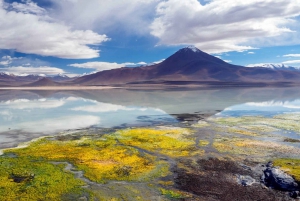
(74, 37)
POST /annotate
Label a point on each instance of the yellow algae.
(101, 159)
(203, 143)
(242, 132)
(166, 183)
(26, 178)
(173, 143)
(291, 166)
(252, 147)
(201, 124)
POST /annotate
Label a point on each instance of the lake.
(25, 115)
(125, 144)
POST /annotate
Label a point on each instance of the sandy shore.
(58, 88)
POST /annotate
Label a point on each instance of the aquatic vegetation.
(203, 143)
(173, 194)
(291, 140)
(171, 142)
(253, 148)
(26, 178)
(100, 159)
(242, 132)
(263, 124)
(289, 165)
(201, 124)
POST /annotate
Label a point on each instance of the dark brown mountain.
(188, 65)
(44, 82)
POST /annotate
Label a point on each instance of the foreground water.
(25, 115)
(123, 144)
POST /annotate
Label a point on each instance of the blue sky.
(78, 36)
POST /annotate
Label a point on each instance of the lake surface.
(25, 115)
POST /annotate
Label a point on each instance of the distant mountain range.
(275, 67)
(188, 65)
(8, 79)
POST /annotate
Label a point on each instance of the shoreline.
(60, 88)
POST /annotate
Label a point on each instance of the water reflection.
(28, 114)
(267, 108)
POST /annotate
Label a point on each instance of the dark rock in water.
(245, 180)
(294, 194)
(276, 178)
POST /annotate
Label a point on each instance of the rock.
(245, 180)
(294, 194)
(276, 178)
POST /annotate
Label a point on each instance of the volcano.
(188, 65)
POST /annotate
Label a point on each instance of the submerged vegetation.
(38, 170)
(28, 178)
(149, 163)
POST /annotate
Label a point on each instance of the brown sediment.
(215, 179)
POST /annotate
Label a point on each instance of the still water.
(25, 115)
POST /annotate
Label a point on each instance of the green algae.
(47, 182)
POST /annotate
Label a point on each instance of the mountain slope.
(188, 64)
(275, 67)
(44, 82)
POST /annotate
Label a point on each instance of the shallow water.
(25, 115)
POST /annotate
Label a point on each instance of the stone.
(276, 178)
(294, 194)
(245, 180)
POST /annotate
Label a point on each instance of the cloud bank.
(25, 28)
(223, 25)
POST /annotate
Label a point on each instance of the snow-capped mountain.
(275, 66)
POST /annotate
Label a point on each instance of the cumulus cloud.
(291, 55)
(101, 66)
(132, 16)
(25, 28)
(26, 7)
(6, 60)
(251, 52)
(223, 25)
(21, 70)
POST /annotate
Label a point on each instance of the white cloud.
(292, 62)
(291, 55)
(228, 61)
(251, 52)
(27, 7)
(19, 70)
(101, 66)
(6, 60)
(224, 25)
(133, 16)
(22, 104)
(57, 124)
(23, 30)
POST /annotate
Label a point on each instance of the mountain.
(8, 79)
(188, 65)
(275, 67)
(44, 82)
(60, 78)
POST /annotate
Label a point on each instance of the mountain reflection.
(28, 114)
